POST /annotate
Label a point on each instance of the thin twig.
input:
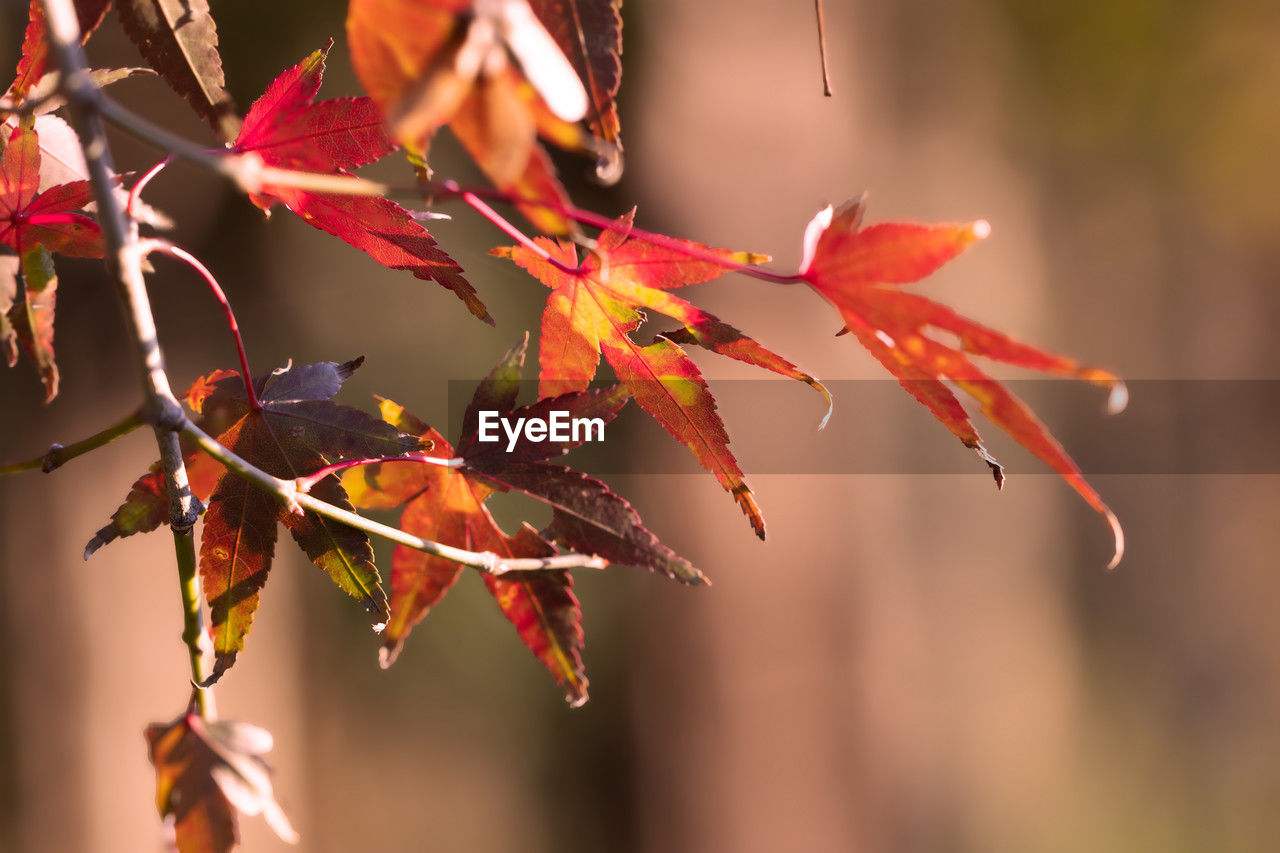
(246, 170)
(251, 175)
(57, 455)
(123, 258)
(193, 633)
(822, 47)
(297, 501)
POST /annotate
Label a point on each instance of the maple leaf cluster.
(446, 504)
(36, 222)
(504, 77)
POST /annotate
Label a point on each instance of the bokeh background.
(912, 662)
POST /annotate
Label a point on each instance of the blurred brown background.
(911, 663)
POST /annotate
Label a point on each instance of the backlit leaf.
(922, 343)
(490, 71)
(179, 40)
(31, 316)
(298, 431)
(52, 218)
(205, 773)
(596, 304)
(287, 128)
(34, 61)
(589, 32)
(446, 505)
(33, 223)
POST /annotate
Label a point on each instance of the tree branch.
(288, 493)
(124, 261)
(248, 172)
(822, 47)
(193, 633)
(57, 455)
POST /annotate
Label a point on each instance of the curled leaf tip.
(822, 389)
(820, 222)
(609, 164)
(1118, 532)
(427, 215)
(387, 655)
(1118, 399)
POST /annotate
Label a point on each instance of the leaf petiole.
(136, 192)
(515, 233)
(166, 248)
(305, 484)
(474, 198)
(38, 219)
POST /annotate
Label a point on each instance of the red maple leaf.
(296, 431)
(497, 74)
(286, 128)
(34, 61)
(53, 218)
(447, 504)
(860, 270)
(595, 305)
(33, 224)
(586, 516)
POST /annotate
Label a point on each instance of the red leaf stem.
(192, 261)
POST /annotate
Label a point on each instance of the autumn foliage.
(505, 78)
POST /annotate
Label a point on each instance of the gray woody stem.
(160, 408)
(124, 255)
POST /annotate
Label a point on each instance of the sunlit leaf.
(446, 505)
(594, 307)
(298, 431)
(490, 71)
(206, 772)
(922, 343)
(179, 39)
(287, 128)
